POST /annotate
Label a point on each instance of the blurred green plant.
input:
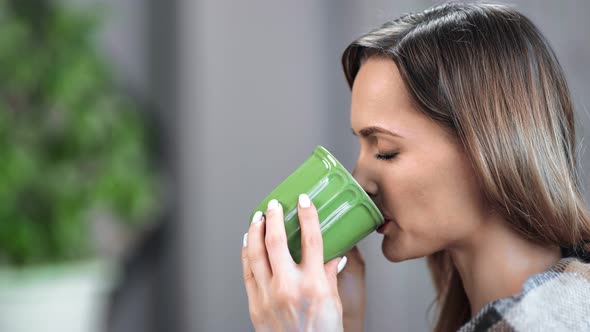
(70, 141)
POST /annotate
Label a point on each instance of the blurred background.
(137, 137)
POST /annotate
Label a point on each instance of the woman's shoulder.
(555, 300)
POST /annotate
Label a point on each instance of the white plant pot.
(55, 298)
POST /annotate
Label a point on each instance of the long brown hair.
(486, 73)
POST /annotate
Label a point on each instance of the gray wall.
(260, 85)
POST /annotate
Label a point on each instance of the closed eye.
(386, 156)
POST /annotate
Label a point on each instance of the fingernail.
(257, 217)
(273, 204)
(245, 241)
(342, 263)
(304, 201)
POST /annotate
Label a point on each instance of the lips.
(386, 220)
(381, 229)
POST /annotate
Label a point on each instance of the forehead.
(380, 97)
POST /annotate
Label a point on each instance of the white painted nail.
(245, 241)
(273, 204)
(304, 201)
(257, 217)
(342, 263)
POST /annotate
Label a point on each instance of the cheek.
(459, 196)
(412, 191)
(433, 200)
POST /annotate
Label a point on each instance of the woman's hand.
(283, 295)
(351, 287)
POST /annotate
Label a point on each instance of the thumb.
(334, 267)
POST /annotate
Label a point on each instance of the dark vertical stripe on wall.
(163, 34)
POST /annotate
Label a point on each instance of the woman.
(467, 147)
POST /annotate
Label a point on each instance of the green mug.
(346, 213)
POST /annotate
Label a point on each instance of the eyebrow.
(366, 132)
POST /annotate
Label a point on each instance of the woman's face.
(428, 189)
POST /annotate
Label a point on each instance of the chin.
(395, 252)
(392, 253)
(393, 258)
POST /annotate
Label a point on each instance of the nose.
(362, 176)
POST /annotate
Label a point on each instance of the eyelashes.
(386, 156)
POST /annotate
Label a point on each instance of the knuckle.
(265, 307)
(244, 254)
(312, 290)
(312, 239)
(286, 298)
(253, 257)
(309, 292)
(274, 240)
(249, 276)
(256, 316)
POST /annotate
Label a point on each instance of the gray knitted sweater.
(555, 300)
